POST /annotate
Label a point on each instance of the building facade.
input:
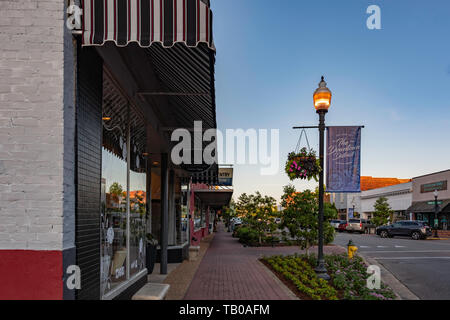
(88, 105)
(423, 199)
(399, 198)
(350, 204)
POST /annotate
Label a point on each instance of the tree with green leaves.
(300, 217)
(258, 211)
(116, 189)
(382, 212)
(229, 212)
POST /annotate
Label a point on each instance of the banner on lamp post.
(343, 159)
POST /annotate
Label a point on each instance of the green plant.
(382, 212)
(303, 165)
(300, 217)
(258, 213)
(347, 276)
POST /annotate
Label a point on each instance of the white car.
(335, 223)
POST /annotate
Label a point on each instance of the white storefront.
(398, 196)
(346, 201)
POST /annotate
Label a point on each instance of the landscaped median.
(348, 278)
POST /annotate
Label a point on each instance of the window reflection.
(113, 220)
(138, 207)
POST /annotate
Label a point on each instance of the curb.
(400, 290)
(436, 238)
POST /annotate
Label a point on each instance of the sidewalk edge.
(279, 282)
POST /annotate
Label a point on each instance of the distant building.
(348, 202)
(398, 196)
(422, 207)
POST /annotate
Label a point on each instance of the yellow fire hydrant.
(351, 249)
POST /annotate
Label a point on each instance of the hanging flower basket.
(303, 165)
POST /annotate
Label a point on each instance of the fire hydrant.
(351, 249)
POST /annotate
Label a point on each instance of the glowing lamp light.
(322, 97)
(106, 118)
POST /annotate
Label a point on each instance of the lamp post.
(322, 101)
(436, 208)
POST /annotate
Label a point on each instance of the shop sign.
(430, 187)
(226, 176)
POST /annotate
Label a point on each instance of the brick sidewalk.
(230, 271)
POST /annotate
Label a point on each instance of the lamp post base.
(321, 271)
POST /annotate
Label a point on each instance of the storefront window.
(138, 207)
(113, 219)
(123, 226)
(184, 215)
(197, 214)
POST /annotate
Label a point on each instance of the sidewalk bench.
(152, 291)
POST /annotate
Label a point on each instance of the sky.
(395, 81)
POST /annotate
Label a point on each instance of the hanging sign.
(343, 159)
(226, 176)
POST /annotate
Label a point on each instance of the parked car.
(235, 222)
(414, 229)
(342, 226)
(358, 225)
(335, 223)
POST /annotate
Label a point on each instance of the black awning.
(215, 198)
(428, 206)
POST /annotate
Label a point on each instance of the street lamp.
(436, 208)
(322, 101)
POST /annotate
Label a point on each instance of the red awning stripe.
(167, 23)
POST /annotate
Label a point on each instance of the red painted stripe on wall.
(31, 275)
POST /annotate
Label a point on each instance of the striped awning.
(147, 21)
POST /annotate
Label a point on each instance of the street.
(420, 265)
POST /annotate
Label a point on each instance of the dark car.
(414, 229)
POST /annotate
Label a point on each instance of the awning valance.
(428, 206)
(147, 21)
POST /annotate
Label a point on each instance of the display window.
(123, 190)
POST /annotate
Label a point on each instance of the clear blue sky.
(395, 81)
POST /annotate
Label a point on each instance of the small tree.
(258, 212)
(382, 212)
(300, 216)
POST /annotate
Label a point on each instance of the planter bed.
(348, 278)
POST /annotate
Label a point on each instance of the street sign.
(432, 202)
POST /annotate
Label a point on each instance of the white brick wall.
(32, 130)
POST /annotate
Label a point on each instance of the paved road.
(423, 265)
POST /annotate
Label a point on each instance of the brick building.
(86, 116)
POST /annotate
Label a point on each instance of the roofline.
(430, 174)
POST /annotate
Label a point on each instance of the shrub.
(247, 235)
